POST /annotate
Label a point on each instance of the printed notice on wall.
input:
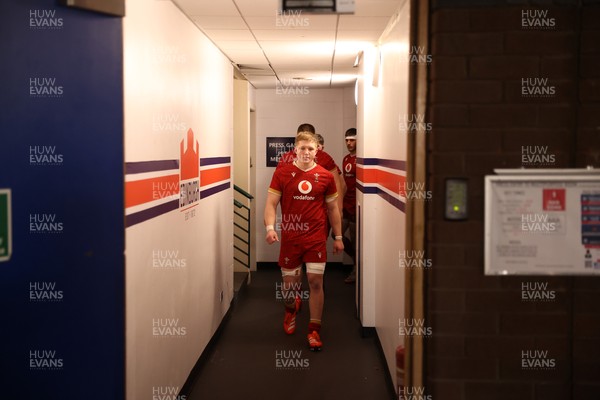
(542, 225)
(5, 225)
(276, 147)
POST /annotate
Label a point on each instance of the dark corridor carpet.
(254, 359)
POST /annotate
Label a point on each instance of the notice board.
(542, 223)
(276, 147)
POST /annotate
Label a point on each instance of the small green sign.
(5, 225)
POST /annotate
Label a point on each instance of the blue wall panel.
(61, 154)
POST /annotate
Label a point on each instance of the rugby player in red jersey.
(322, 158)
(349, 210)
(302, 188)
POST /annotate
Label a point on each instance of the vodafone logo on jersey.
(348, 168)
(305, 187)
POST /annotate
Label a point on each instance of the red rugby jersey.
(349, 165)
(303, 197)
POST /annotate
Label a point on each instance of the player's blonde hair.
(308, 136)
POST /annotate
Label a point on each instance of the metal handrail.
(243, 192)
(246, 229)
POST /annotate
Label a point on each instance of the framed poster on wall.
(542, 222)
(276, 147)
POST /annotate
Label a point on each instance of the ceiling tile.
(295, 35)
(346, 60)
(377, 8)
(298, 50)
(212, 22)
(359, 36)
(241, 56)
(228, 45)
(254, 8)
(278, 62)
(292, 22)
(218, 35)
(262, 82)
(297, 44)
(224, 8)
(353, 23)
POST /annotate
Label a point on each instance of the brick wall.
(481, 121)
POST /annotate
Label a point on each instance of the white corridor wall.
(178, 151)
(381, 169)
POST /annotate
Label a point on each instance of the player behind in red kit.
(349, 210)
(303, 188)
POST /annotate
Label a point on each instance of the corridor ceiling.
(271, 47)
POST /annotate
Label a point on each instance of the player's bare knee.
(315, 284)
